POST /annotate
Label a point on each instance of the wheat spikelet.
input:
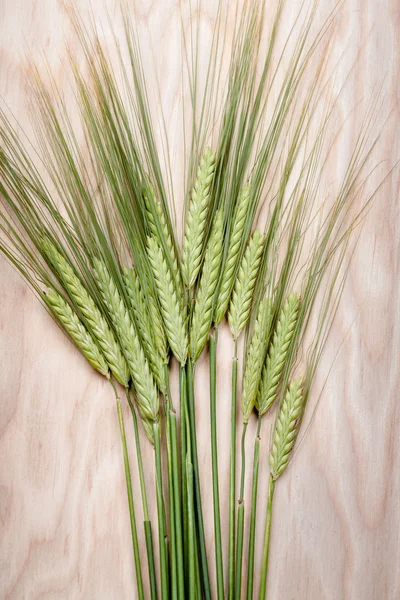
(155, 231)
(173, 315)
(161, 222)
(93, 318)
(148, 428)
(160, 338)
(196, 219)
(255, 358)
(203, 308)
(77, 331)
(228, 275)
(239, 310)
(144, 326)
(278, 350)
(145, 387)
(286, 428)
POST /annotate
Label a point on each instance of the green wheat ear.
(77, 331)
(93, 318)
(228, 275)
(145, 387)
(286, 429)
(239, 310)
(255, 358)
(203, 307)
(197, 218)
(279, 348)
(173, 316)
(139, 309)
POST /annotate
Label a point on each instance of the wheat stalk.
(203, 308)
(197, 219)
(145, 387)
(173, 315)
(286, 429)
(228, 274)
(239, 310)
(255, 358)
(272, 370)
(77, 331)
(144, 326)
(91, 315)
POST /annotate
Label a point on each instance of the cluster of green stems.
(184, 564)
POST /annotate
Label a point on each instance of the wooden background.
(64, 529)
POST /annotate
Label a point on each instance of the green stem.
(214, 457)
(240, 523)
(250, 560)
(197, 569)
(183, 416)
(264, 571)
(196, 479)
(191, 525)
(135, 542)
(147, 522)
(192, 554)
(162, 537)
(232, 481)
(171, 498)
(176, 494)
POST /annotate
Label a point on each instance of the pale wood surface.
(64, 529)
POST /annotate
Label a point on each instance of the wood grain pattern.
(64, 529)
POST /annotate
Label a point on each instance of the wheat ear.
(145, 387)
(93, 318)
(144, 326)
(286, 429)
(239, 310)
(197, 218)
(272, 370)
(203, 308)
(77, 331)
(255, 358)
(228, 275)
(171, 310)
